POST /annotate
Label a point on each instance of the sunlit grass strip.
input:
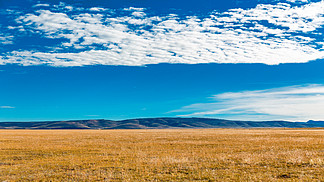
(162, 155)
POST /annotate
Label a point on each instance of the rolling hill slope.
(156, 123)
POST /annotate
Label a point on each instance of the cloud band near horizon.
(295, 103)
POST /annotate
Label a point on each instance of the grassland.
(162, 155)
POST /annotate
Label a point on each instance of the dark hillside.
(156, 123)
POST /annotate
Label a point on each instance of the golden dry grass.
(162, 155)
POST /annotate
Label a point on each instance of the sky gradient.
(242, 60)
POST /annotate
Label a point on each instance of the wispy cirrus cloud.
(7, 107)
(269, 34)
(296, 103)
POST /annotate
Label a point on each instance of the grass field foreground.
(162, 155)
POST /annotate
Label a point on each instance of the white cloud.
(6, 107)
(97, 9)
(134, 9)
(236, 36)
(297, 1)
(41, 5)
(299, 18)
(138, 14)
(6, 39)
(297, 103)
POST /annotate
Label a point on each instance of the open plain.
(162, 155)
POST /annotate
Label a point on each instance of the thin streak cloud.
(296, 103)
(6, 107)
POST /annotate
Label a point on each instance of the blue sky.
(244, 60)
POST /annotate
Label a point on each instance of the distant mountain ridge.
(157, 123)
